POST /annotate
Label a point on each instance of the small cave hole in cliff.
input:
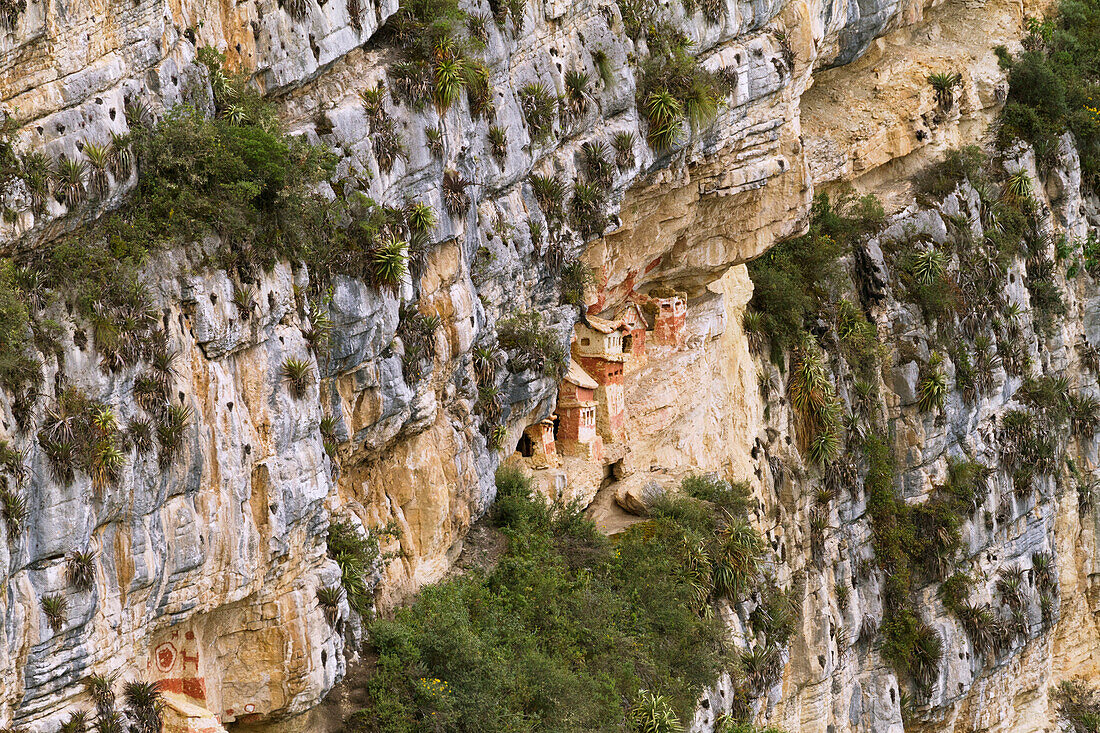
(526, 447)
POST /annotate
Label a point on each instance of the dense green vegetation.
(799, 304)
(800, 280)
(1079, 706)
(1053, 86)
(571, 631)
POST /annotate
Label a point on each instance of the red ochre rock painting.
(175, 664)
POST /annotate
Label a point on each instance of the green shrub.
(19, 369)
(566, 629)
(733, 498)
(1052, 85)
(674, 89)
(957, 166)
(912, 646)
(531, 345)
(356, 557)
(1079, 705)
(797, 279)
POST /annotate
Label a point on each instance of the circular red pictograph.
(165, 655)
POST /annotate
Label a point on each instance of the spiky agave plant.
(549, 193)
(145, 703)
(387, 144)
(388, 263)
(106, 464)
(933, 386)
(455, 198)
(811, 393)
(170, 432)
(329, 600)
(753, 324)
(664, 113)
(479, 92)
(122, 156)
(1019, 185)
(588, 209)
(35, 170)
(70, 189)
(653, 713)
(373, 100)
(623, 143)
(498, 144)
(928, 266)
(329, 439)
(700, 104)
(736, 558)
(101, 689)
(434, 137)
(99, 163)
(497, 435)
(538, 106)
(943, 86)
(490, 400)
(449, 74)
(486, 361)
(244, 298)
(577, 93)
(825, 447)
(14, 508)
(296, 9)
(76, 723)
(318, 334)
(597, 163)
(80, 569)
(298, 374)
(477, 25)
(420, 217)
(54, 607)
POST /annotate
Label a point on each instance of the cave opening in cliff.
(526, 446)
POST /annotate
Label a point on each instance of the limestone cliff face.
(209, 571)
